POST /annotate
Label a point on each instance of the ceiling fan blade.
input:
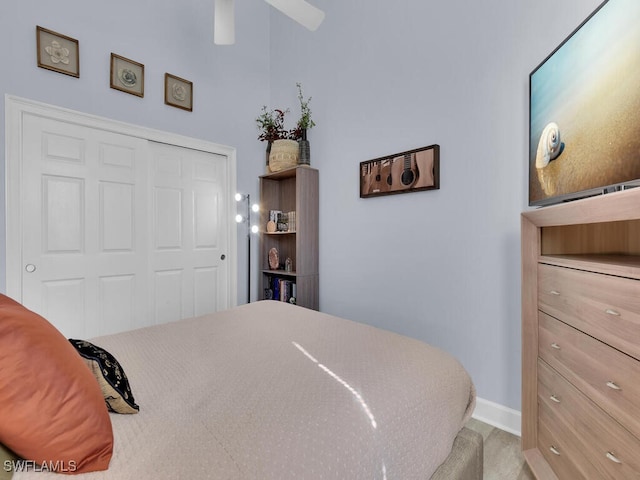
(224, 31)
(301, 11)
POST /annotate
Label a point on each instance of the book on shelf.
(281, 289)
(291, 221)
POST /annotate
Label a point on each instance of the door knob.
(30, 268)
(223, 256)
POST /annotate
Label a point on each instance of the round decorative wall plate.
(274, 259)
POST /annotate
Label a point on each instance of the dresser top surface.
(617, 206)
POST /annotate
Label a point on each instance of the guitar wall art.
(405, 172)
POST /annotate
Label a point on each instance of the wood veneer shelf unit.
(581, 338)
(293, 189)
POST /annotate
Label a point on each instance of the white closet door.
(119, 232)
(189, 246)
(84, 226)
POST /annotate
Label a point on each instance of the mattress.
(270, 390)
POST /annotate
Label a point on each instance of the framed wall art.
(127, 75)
(58, 52)
(410, 171)
(178, 92)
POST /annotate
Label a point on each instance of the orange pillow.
(52, 407)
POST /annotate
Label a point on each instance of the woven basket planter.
(284, 154)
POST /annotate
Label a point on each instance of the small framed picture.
(178, 92)
(127, 75)
(57, 52)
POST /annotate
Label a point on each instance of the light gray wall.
(442, 266)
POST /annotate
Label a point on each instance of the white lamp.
(224, 31)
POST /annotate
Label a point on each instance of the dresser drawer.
(559, 448)
(603, 306)
(605, 375)
(611, 450)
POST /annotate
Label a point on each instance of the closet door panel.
(117, 231)
(83, 204)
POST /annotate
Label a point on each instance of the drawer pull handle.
(554, 450)
(555, 345)
(613, 458)
(554, 292)
(613, 386)
(554, 399)
(610, 311)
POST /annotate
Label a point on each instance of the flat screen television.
(584, 109)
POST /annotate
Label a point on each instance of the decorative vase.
(284, 154)
(305, 154)
(269, 143)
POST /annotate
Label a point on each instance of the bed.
(270, 390)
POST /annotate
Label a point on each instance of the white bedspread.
(273, 391)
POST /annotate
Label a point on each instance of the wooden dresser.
(581, 338)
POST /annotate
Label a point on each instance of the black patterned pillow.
(110, 375)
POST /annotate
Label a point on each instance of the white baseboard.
(497, 415)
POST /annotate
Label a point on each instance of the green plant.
(305, 122)
(271, 125)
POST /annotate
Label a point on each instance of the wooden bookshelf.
(291, 190)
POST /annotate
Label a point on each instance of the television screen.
(584, 109)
